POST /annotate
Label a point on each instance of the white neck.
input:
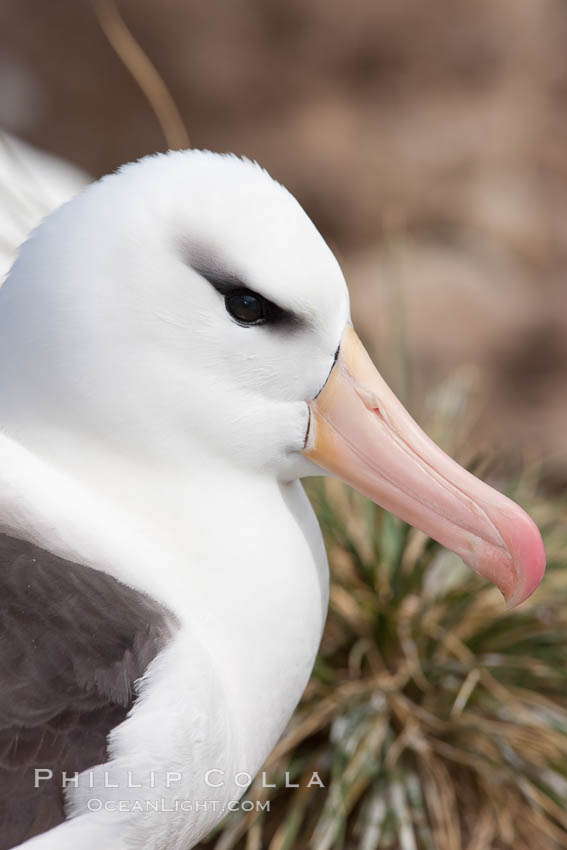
(239, 559)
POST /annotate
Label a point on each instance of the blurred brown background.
(428, 141)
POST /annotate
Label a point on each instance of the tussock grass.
(436, 719)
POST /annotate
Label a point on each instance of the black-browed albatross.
(176, 353)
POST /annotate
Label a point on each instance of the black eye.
(246, 307)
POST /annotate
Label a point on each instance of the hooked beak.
(361, 433)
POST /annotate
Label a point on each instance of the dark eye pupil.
(245, 307)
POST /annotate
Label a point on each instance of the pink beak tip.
(516, 565)
(527, 552)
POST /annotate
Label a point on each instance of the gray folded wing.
(73, 642)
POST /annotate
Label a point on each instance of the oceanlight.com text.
(95, 804)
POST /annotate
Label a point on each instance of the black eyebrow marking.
(226, 283)
(223, 282)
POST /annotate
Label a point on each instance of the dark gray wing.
(73, 641)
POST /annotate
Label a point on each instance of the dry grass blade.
(144, 72)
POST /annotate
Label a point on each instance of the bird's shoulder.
(73, 643)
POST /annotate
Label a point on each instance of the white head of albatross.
(175, 353)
